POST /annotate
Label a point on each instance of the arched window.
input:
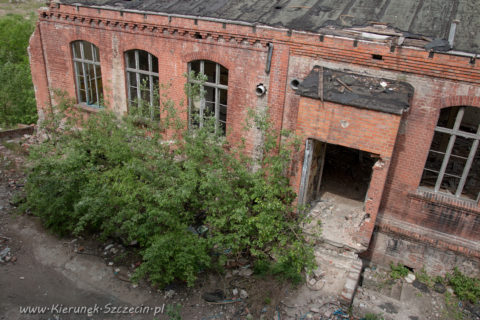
(453, 163)
(142, 83)
(214, 104)
(88, 76)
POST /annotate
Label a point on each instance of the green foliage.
(173, 312)
(188, 203)
(17, 98)
(373, 316)
(425, 278)
(465, 288)
(398, 271)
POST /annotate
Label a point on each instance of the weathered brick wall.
(245, 62)
(440, 81)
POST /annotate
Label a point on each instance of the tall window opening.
(214, 103)
(142, 82)
(453, 163)
(88, 76)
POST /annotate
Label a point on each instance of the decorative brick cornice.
(166, 31)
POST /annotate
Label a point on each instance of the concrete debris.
(245, 272)
(4, 252)
(169, 294)
(410, 278)
(243, 294)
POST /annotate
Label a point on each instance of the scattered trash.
(169, 294)
(214, 296)
(4, 252)
(235, 292)
(245, 272)
(410, 278)
(243, 294)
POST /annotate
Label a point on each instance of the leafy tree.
(17, 97)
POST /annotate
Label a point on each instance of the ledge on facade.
(434, 238)
(389, 96)
(88, 109)
(445, 200)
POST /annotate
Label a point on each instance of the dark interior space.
(347, 172)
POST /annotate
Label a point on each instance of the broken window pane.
(131, 59)
(143, 60)
(76, 50)
(223, 76)
(210, 71)
(472, 185)
(195, 66)
(470, 120)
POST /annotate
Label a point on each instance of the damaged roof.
(417, 18)
(356, 90)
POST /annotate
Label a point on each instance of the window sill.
(440, 199)
(88, 109)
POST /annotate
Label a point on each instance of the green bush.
(17, 97)
(398, 271)
(118, 180)
(465, 288)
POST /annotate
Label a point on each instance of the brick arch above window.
(221, 60)
(458, 100)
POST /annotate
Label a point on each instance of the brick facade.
(402, 142)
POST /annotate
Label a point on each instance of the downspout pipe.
(269, 58)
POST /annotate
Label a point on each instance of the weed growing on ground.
(398, 271)
(465, 288)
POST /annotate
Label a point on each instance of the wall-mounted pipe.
(269, 58)
(260, 89)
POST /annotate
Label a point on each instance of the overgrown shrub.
(17, 97)
(465, 288)
(189, 204)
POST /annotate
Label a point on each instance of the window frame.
(217, 87)
(137, 72)
(453, 133)
(84, 62)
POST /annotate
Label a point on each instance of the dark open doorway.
(335, 182)
(346, 174)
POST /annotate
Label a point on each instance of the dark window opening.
(377, 57)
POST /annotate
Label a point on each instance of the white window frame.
(136, 72)
(89, 92)
(454, 132)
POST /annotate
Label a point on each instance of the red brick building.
(385, 95)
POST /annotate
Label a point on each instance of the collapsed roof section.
(356, 90)
(414, 22)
